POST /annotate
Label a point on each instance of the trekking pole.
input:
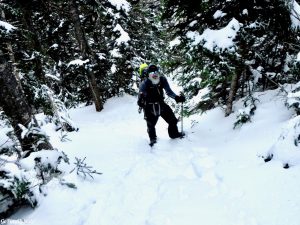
(182, 117)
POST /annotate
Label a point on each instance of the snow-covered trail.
(213, 176)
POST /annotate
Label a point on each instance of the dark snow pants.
(153, 112)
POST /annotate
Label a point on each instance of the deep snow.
(214, 176)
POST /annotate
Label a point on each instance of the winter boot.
(179, 135)
(152, 141)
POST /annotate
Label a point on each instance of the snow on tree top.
(295, 15)
(121, 4)
(8, 27)
(124, 37)
(219, 14)
(222, 39)
(78, 62)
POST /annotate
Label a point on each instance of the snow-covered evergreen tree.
(221, 69)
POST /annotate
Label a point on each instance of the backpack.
(143, 71)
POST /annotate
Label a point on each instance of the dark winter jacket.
(150, 93)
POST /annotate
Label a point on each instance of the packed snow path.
(214, 176)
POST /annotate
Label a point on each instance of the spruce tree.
(263, 41)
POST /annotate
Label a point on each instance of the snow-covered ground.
(214, 176)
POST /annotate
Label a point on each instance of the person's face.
(154, 77)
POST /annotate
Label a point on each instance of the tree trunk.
(232, 92)
(86, 53)
(10, 51)
(35, 44)
(15, 106)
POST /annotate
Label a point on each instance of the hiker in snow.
(151, 99)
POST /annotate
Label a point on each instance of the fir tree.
(261, 46)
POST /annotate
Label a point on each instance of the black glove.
(141, 101)
(180, 98)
